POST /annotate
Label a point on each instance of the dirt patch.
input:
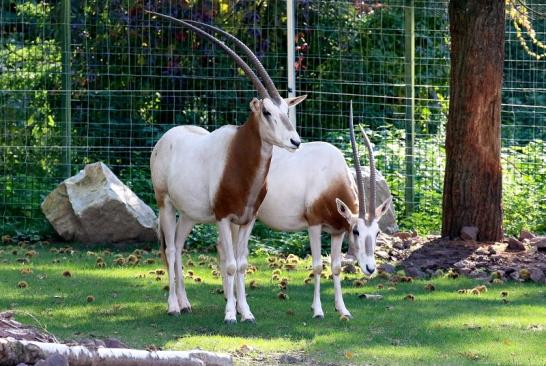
(424, 257)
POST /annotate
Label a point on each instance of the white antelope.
(219, 177)
(314, 189)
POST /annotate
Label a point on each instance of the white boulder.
(94, 206)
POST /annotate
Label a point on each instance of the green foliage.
(133, 77)
(524, 187)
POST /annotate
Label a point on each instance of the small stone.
(382, 254)
(398, 244)
(525, 234)
(287, 359)
(415, 272)
(539, 243)
(537, 275)
(482, 251)
(469, 233)
(386, 267)
(370, 296)
(514, 245)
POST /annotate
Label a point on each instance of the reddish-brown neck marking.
(243, 186)
(323, 211)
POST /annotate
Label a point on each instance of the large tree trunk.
(473, 180)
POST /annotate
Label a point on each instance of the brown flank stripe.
(242, 164)
(323, 211)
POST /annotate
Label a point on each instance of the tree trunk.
(13, 352)
(473, 180)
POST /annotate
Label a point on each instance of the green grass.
(440, 327)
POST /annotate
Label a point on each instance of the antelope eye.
(355, 232)
(266, 113)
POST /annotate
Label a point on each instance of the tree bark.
(13, 352)
(473, 179)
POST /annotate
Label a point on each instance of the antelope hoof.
(230, 321)
(344, 313)
(249, 320)
(174, 313)
(318, 316)
(185, 310)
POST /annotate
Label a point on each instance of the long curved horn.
(243, 65)
(262, 73)
(373, 183)
(356, 162)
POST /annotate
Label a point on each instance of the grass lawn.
(441, 327)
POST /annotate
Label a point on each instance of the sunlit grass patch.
(129, 303)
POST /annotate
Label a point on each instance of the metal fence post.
(66, 87)
(409, 20)
(291, 58)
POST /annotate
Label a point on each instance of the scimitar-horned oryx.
(219, 177)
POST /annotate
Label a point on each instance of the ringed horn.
(359, 180)
(194, 26)
(262, 73)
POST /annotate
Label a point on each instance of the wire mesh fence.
(129, 77)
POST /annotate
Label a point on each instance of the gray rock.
(386, 267)
(514, 245)
(397, 243)
(415, 272)
(469, 233)
(53, 360)
(388, 222)
(537, 275)
(524, 234)
(539, 243)
(94, 206)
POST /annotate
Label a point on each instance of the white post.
(291, 59)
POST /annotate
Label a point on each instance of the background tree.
(473, 179)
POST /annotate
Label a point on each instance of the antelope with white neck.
(219, 177)
(313, 189)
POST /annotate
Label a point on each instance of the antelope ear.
(383, 208)
(293, 101)
(344, 211)
(255, 105)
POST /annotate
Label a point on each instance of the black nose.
(370, 270)
(295, 143)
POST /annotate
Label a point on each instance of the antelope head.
(271, 110)
(365, 225)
